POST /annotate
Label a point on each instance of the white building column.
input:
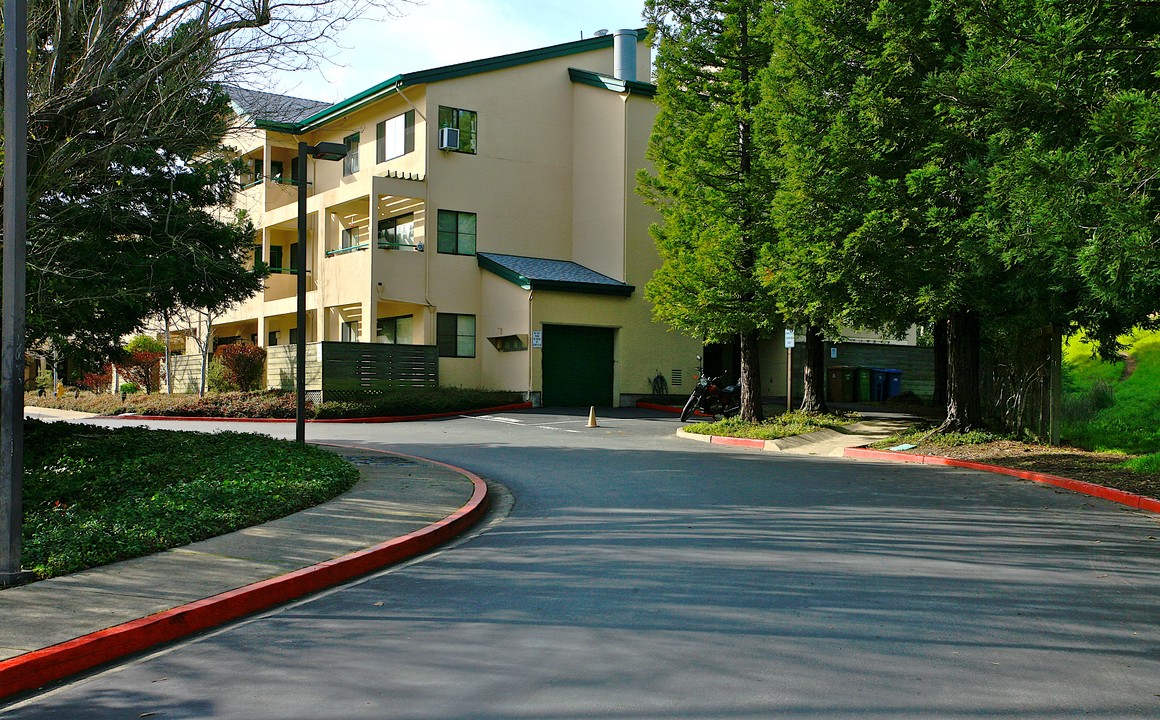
(368, 328)
(323, 224)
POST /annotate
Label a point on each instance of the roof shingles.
(542, 274)
(268, 107)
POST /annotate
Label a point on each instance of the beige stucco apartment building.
(486, 210)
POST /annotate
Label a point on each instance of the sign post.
(789, 343)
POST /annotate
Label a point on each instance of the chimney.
(624, 51)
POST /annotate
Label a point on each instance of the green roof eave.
(607, 82)
(585, 288)
(275, 126)
(447, 72)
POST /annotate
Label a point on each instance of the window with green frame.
(456, 232)
(398, 231)
(276, 259)
(466, 122)
(349, 237)
(455, 335)
(293, 258)
(350, 162)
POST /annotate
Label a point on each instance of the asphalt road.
(640, 576)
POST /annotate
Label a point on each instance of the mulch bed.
(1094, 467)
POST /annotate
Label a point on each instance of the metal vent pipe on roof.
(624, 54)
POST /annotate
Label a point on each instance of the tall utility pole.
(13, 309)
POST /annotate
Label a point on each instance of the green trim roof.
(559, 275)
(607, 82)
(448, 72)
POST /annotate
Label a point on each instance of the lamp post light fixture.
(321, 151)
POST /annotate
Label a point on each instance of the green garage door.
(577, 365)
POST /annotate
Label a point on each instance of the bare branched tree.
(126, 169)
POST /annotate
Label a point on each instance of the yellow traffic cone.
(592, 417)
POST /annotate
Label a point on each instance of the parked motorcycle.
(711, 397)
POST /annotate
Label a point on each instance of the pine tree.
(712, 192)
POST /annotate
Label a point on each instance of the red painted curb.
(381, 419)
(657, 406)
(1122, 497)
(667, 408)
(38, 668)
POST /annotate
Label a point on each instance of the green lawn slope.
(1106, 408)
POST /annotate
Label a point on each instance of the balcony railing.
(345, 250)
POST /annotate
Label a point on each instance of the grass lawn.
(784, 425)
(1115, 413)
(96, 495)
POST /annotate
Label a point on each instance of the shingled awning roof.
(268, 107)
(559, 275)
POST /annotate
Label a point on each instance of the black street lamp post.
(321, 151)
(14, 321)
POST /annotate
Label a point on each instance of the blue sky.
(443, 32)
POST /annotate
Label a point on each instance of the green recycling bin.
(862, 384)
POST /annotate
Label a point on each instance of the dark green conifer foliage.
(711, 190)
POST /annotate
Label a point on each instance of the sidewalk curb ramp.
(785, 443)
(40, 667)
(1122, 497)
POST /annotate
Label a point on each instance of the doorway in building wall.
(577, 364)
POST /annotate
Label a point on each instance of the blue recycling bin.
(877, 384)
(893, 383)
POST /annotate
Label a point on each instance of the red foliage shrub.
(97, 382)
(141, 367)
(244, 365)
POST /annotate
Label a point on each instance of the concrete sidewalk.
(400, 507)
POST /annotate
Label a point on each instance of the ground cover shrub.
(1145, 464)
(279, 404)
(268, 404)
(923, 434)
(417, 401)
(217, 380)
(784, 425)
(96, 495)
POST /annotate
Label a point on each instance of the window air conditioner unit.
(448, 138)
